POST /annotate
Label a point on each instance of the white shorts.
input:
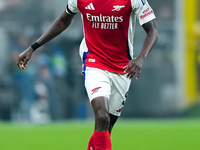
(113, 86)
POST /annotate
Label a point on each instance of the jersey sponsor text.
(102, 18)
(104, 22)
(104, 25)
(146, 13)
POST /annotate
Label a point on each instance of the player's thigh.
(97, 83)
(119, 93)
(101, 107)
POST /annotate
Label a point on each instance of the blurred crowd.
(41, 93)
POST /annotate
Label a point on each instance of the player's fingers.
(131, 73)
(19, 66)
(138, 74)
(22, 63)
(126, 68)
(25, 61)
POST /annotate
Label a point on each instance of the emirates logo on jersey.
(95, 90)
(104, 22)
(102, 18)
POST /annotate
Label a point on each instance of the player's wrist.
(142, 56)
(35, 46)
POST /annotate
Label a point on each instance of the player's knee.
(101, 111)
(103, 118)
(103, 121)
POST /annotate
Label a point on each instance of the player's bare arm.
(135, 65)
(57, 27)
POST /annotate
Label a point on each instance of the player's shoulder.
(74, 2)
(72, 7)
(139, 2)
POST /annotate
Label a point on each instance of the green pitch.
(127, 135)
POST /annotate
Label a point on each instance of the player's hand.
(24, 57)
(135, 66)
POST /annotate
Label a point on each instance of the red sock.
(91, 143)
(102, 140)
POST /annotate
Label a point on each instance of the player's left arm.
(135, 65)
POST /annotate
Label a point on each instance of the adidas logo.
(90, 7)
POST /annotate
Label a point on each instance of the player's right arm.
(57, 27)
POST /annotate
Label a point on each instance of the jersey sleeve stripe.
(69, 11)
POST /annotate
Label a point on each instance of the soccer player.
(107, 54)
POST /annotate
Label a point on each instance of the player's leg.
(113, 120)
(119, 92)
(98, 89)
(101, 112)
(101, 134)
(120, 85)
(91, 143)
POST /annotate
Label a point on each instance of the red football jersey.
(109, 27)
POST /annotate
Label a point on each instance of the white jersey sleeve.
(143, 11)
(72, 7)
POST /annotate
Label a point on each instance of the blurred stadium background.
(52, 90)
